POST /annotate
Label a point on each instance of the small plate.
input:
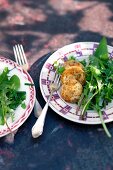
(80, 51)
(20, 114)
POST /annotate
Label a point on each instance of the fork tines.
(20, 55)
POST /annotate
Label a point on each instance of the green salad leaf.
(102, 50)
(15, 82)
(10, 96)
(58, 67)
(97, 90)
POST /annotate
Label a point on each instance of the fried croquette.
(73, 73)
(70, 63)
(71, 92)
(72, 79)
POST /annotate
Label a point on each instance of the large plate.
(81, 51)
(20, 114)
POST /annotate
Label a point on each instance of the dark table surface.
(43, 26)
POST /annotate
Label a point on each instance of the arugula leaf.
(15, 82)
(10, 97)
(23, 105)
(98, 91)
(56, 64)
(71, 58)
(102, 51)
(60, 69)
(3, 76)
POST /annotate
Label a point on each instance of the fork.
(21, 60)
(37, 129)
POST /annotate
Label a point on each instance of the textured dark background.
(46, 25)
(43, 26)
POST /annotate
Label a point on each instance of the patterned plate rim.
(94, 44)
(15, 125)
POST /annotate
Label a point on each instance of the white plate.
(81, 51)
(20, 114)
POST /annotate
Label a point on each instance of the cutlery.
(21, 60)
(37, 129)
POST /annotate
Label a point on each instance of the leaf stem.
(103, 124)
(7, 125)
(79, 103)
(84, 108)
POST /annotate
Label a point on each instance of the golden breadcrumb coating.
(72, 80)
(70, 63)
(71, 92)
(72, 73)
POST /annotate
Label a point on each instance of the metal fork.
(37, 129)
(21, 60)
